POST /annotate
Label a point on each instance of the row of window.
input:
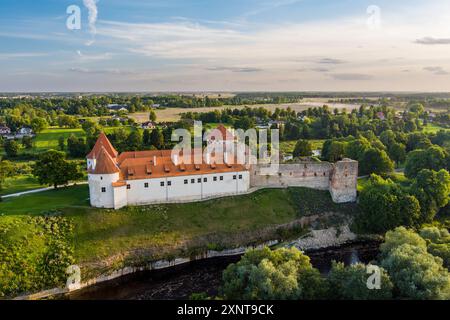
(186, 181)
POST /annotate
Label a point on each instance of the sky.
(216, 45)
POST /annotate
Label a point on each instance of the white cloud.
(91, 5)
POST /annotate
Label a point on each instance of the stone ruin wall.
(339, 178)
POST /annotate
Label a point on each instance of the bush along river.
(204, 276)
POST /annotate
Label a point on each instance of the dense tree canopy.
(433, 158)
(303, 148)
(350, 283)
(278, 274)
(432, 189)
(376, 161)
(384, 206)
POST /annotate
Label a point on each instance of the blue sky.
(233, 45)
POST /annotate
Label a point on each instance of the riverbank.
(106, 244)
(204, 276)
(318, 243)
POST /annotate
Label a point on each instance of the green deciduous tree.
(355, 149)
(39, 124)
(333, 150)
(400, 236)
(27, 142)
(152, 116)
(397, 152)
(303, 148)
(438, 241)
(51, 168)
(434, 158)
(135, 140)
(6, 170)
(417, 274)
(350, 283)
(11, 148)
(417, 140)
(76, 147)
(157, 139)
(376, 161)
(432, 189)
(384, 206)
(266, 274)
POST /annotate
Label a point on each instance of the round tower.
(101, 177)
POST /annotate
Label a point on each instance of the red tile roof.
(220, 132)
(134, 165)
(158, 164)
(105, 164)
(102, 141)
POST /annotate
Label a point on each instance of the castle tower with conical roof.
(103, 173)
(102, 142)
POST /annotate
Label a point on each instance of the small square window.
(103, 189)
(199, 180)
(101, 178)
(185, 181)
(221, 178)
(215, 178)
(205, 179)
(162, 183)
(128, 186)
(169, 183)
(234, 177)
(240, 177)
(146, 185)
(192, 180)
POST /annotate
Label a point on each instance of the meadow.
(173, 228)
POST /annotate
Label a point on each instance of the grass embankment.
(162, 231)
(20, 183)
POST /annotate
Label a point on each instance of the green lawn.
(173, 229)
(288, 146)
(433, 128)
(33, 204)
(397, 177)
(19, 184)
(48, 139)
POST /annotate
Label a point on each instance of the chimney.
(175, 159)
(208, 158)
(154, 160)
(225, 157)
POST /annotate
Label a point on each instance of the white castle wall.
(339, 178)
(98, 198)
(138, 194)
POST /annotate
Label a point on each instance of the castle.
(158, 176)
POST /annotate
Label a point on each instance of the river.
(205, 276)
